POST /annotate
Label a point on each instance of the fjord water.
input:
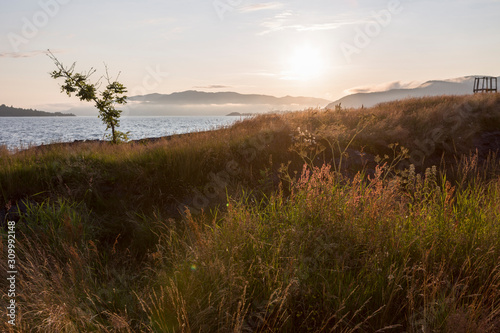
(22, 132)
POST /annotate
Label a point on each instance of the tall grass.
(312, 231)
(339, 255)
(67, 282)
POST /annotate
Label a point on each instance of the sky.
(316, 48)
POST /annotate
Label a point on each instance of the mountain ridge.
(458, 86)
(195, 97)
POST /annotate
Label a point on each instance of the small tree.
(79, 83)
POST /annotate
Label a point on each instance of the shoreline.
(99, 141)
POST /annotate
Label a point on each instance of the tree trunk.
(113, 133)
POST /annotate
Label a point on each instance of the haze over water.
(21, 132)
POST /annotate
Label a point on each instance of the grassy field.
(383, 219)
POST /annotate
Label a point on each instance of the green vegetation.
(382, 219)
(79, 83)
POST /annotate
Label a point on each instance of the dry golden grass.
(289, 244)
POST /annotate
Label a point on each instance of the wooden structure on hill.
(485, 84)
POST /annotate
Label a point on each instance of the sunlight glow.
(306, 63)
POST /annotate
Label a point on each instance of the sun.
(305, 63)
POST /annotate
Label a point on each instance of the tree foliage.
(105, 100)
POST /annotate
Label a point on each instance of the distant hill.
(9, 111)
(200, 103)
(458, 86)
(237, 114)
(193, 97)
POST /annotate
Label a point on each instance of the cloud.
(316, 27)
(353, 3)
(27, 54)
(213, 86)
(261, 6)
(277, 26)
(384, 87)
(61, 107)
(157, 21)
(289, 20)
(261, 73)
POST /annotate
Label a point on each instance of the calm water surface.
(21, 132)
